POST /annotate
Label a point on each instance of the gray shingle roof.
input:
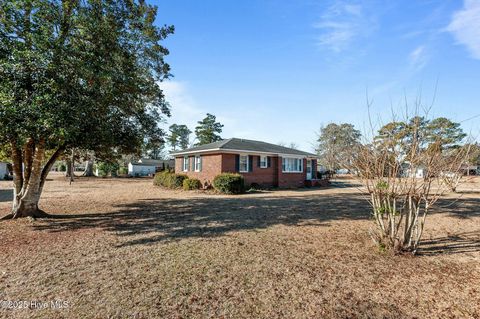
(238, 144)
(153, 162)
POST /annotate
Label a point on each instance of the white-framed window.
(292, 165)
(243, 164)
(263, 161)
(198, 163)
(185, 163)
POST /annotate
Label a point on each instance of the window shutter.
(201, 163)
(258, 162)
(250, 163)
(269, 161)
(237, 163)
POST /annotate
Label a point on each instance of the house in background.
(260, 163)
(146, 167)
(5, 169)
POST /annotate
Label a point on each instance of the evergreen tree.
(208, 130)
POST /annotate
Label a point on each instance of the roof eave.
(177, 154)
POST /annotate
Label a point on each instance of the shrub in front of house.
(159, 178)
(169, 180)
(229, 183)
(123, 170)
(191, 184)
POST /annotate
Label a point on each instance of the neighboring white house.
(146, 167)
(407, 171)
(3, 170)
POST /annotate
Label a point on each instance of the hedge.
(169, 180)
(191, 183)
(107, 168)
(229, 183)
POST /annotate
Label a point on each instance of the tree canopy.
(179, 136)
(336, 142)
(440, 133)
(208, 130)
(78, 74)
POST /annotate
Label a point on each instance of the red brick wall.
(287, 180)
(214, 164)
(211, 167)
(262, 176)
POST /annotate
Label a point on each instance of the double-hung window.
(292, 165)
(198, 163)
(185, 163)
(263, 161)
(243, 163)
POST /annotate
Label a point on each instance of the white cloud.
(260, 124)
(341, 24)
(418, 57)
(465, 26)
(184, 108)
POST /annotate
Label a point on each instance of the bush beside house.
(229, 183)
(191, 184)
(169, 180)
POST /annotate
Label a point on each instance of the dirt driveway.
(125, 249)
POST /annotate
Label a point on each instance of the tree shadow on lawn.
(460, 243)
(153, 220)
(166, 219)
(462, 208)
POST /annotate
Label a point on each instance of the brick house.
(260, 163)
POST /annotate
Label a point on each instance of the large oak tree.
(76, 73)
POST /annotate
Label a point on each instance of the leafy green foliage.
(445, 133)
(123, 170)
(191, 184)
(154, 147)
(437, 134)
(229, 183)
(179, 136)
(107, 168)
(62, 167)
(336, 142)
(474, 156)
(208, 130)
(81, 73)
(169, 180)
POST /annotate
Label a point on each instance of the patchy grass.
(125, 249)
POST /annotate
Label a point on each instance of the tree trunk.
(68, 173)
(88, 169)
(72, 169)
(25, 202)
(27, 206)
(27, 192)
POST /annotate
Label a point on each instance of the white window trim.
(239, 163)
(198, 163)
(263, 164)
(186, 163)
(294, 172)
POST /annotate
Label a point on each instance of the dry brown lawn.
(125, 249)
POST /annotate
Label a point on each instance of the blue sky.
(277, 70)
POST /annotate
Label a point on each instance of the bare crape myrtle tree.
(405, 169)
